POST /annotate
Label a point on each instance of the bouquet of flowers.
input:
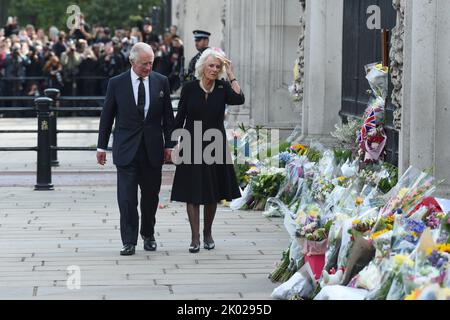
(430, 267)
(265, 185)
(334, 241)
(377, 76)
(406, 234)
(294, 174)
(381, 290)
(321, 189)
(445, 229)
(372, 137)
(241, 174)
(353, 229)
(412, 187)
(428, 211)
(401, 265)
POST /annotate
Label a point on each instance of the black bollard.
(44, 169)
(53, 125)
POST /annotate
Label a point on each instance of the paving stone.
(42, 233)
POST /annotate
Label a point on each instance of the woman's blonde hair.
(200, 65)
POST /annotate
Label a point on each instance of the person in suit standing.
(139, 102)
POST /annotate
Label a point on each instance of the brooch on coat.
(161, 94)
(220, 87)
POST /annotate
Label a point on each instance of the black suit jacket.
(130, 127)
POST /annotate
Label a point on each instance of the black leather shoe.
(194, 248)
(127, 250)
(209, 246)
(150, 244)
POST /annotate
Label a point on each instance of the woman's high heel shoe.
(194, 248)
(209, 246)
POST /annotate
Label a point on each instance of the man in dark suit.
(139, 103)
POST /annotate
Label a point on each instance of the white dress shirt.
(135, 82)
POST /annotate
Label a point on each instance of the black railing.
(47, 149)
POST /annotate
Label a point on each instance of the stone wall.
(261, 37)
(396, 58)
(207, 15)
(323, 70)
(426, 99)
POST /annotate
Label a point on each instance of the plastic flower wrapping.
(369, 244)
(411, 188)
(372, 137)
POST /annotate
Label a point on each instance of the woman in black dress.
(198, 180)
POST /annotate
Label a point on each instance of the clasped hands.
(101, 157)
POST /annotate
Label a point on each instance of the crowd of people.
(80, 62)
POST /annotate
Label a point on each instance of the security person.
(201, 43)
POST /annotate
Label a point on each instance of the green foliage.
(277, 274)
(388, 183)
(342, 155)
(274, 151)
(111, 13)
(313, 155)
(266, 186)
(241, 173)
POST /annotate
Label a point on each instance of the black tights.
(209, 212)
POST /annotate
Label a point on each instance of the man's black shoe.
(127, 250)
(150, 244)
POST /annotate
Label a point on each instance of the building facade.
(266, 38)
(261, 37)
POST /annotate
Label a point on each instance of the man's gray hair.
(201, 63)
(137, 49)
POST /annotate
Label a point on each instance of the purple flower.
(415, 226)
(437, 260)
(285, 157)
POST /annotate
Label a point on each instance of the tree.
(111, 13)
(4, 5)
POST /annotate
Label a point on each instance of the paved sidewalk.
(44, 233)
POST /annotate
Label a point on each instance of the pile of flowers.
(366, 245)
(357, 230)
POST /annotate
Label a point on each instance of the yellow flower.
(440, 215)
(356, 221)
(313, 212)
(413, 295)
(341, 179)
(379, 233)
(359, 201)
(443, 294)
(300, 217)
(400, 260)
(382, 68)
(443, 247)
(298, 148)
(402, 193)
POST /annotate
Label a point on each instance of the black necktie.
(141, 97)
